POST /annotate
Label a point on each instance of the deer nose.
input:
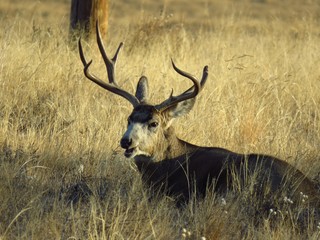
(125, 143)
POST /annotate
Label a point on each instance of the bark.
(83, 17)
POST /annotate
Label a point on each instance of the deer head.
(148, 132)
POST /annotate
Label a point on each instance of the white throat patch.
(141, 138)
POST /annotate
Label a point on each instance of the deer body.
(180, 169)
(214, 168)
(183, 170)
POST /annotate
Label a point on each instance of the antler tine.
(203, 79)
(110, 64)
(112, 87)
(188, 94)
(83, 59)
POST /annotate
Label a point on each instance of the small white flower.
(287, 200)
(223, 202)
(304, 196)
(272, 212)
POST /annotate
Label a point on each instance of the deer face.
(144, 132)
(147, 130)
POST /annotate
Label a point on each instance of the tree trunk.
(83, 17)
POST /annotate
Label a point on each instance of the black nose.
(125, 143)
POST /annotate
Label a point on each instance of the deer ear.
(180, 109)
(142, 92)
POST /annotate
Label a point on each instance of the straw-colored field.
(62, 172)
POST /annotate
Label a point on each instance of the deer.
(180, 169)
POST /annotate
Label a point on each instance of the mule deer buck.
(178, 168)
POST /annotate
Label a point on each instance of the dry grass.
(62, 173)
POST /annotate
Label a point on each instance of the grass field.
(62, 172)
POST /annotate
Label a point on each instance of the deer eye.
(153, 125)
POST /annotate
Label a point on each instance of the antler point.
(171, 95)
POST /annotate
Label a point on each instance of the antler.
(188, 94)
(112, 86)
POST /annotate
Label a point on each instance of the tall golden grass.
(63, 175)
